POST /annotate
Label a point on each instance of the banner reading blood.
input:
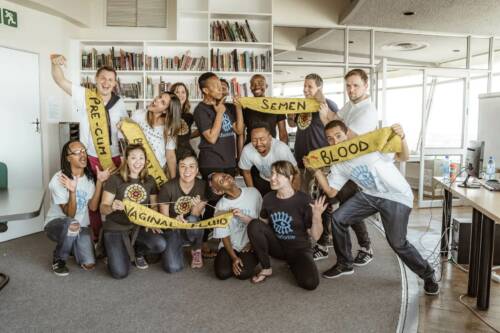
(383, 140)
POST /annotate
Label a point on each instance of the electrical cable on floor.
(474, 312)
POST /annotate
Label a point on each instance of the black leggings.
(223, 265)
(265, 244)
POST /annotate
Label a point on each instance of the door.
(20, 130)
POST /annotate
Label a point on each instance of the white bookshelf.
(193, 33)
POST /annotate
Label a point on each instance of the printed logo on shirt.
(282, 225)
(304, 120)
(184, 128)
(136, 193)
(183, 205)
(362, 175)
(227, 126)
(81, 200)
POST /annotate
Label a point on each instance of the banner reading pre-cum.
(383, 140)
(280, 105)
(149, 218)
(99, 129)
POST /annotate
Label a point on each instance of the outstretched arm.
(58, 61)
(405, 151)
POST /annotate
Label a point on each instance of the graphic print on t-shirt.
(227, 127)
(304, 120)
(183, 205)
(184, 128)
(136, 193)
(364, 177)
(282, 225)
(81, 200)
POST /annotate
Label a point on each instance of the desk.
(486, 212)
(19, 204)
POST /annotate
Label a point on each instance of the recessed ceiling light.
(404, 46)
(351, 42)
(408, 13)
(456, 50)
(300, 58)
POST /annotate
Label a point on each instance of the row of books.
(125, 90)
(231, 32)
(237, 89)
(236, 61)
(125, 61)
(155, 88)
(184, 63)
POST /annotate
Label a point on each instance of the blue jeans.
(116, 250)
(173, 257)
(395, 221)
(80, 243)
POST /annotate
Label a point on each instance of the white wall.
(77, 12)
(43, 34)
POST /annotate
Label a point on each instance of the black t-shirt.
(251, 117)
(134, 190)
(184, 136)
(221, 154)
(180, 202)
(290, 218)
(310, 133)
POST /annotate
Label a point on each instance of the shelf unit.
(193, 34)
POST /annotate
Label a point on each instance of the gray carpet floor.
(36, 300)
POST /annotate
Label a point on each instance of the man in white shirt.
(235, 256)
(105, 82)
(383, 190)
(360, 116)
(262, 151)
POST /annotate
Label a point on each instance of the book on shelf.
(225, 31)
(124, 61)
(125, 90)
(237, 89)
(185, 62)
(154, 89)
(238, 61)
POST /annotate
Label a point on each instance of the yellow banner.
(383, 140)
(99, 128)
(134, 135)
(149, 218)
(277, 105)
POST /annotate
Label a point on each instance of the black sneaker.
(59, 268)
(319, 252)
(363, 257)
(431, 287)
(141, 263)
(337, 270)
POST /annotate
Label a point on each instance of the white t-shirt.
(154, 136)
(59, 195)
(250, 203)
(115, 114)
(360, 118)
(376, 175)
(279, 152)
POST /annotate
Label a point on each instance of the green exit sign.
(9, 18)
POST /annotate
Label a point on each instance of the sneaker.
(196, 259)
(363, 257)
(431, 287)
(337, 270)
(59, 268)
(141, 263)
(319, 252)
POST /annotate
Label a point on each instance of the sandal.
(260, 277)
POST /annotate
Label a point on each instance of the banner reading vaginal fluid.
(149, 218)
(279, 105)
(134, 135)
(99, 129)
(383, 140)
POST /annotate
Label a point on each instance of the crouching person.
(183, 198)
(123, 241)
(72, 192)
(235, 256)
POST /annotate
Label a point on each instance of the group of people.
(274, 214)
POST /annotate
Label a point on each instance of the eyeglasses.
(78, 152)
